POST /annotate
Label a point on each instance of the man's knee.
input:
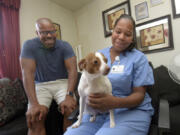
(66, 122)
(37, 129)
(38, 126)
(67, 113)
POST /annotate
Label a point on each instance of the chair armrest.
(73, 116)
(164, 120)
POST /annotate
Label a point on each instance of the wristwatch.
(70, 93)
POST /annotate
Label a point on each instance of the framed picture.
(155, 35)
(176, 8)
(156, 2)
(58, 31)
(141, 11)
(110, 15)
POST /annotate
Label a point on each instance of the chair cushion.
(16, 126)
(13, 100)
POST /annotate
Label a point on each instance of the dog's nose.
(106, 71)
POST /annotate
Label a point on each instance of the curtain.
(9, 39)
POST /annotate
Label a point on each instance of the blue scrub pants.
(128, 122)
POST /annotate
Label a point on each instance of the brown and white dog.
(93, 80)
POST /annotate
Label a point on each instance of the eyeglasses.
(45, 33)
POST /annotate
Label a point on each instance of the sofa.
(165, 96)
(13, 105)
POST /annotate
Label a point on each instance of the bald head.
(46, 32)
(41, 22)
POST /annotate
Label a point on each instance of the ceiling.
(72, 4)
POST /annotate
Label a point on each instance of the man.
(49, 72)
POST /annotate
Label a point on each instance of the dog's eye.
(95, 62)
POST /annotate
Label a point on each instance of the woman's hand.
(102, 101)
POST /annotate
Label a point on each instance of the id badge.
(117, 69)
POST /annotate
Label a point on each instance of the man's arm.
(36, 112)
(69, 101)
(72, 73)
(28, 67)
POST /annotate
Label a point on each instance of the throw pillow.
(13, 101)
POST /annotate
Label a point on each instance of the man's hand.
(36, 113)
(69, 103)
(101, 101)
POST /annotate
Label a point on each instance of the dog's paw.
(76, 125)
(112, 124)
(92, 118)
(78, 117)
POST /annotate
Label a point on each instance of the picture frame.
(110, 15)
(156, 2)
(155, 35)
(141, 11)
(58, 31)
(176, 8)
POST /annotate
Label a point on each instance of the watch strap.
(70, 93)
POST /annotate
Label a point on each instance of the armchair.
(165, 88)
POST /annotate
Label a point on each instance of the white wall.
(91, 34)
(85, 26)
(31, 10)
(90, 25)
(165, 8)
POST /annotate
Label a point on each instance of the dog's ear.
(104, 58)
(82, 64)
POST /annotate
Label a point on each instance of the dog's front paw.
(92, 118)
(76, 124)
(112, 124)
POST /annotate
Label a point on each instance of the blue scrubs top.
(135, 71)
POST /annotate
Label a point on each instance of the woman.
(130, 74)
